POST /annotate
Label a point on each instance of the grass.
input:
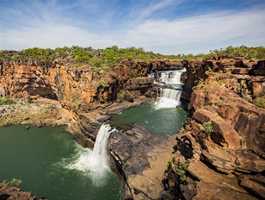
(207, 127)
(179, 168)
(260, 102)
(6, 101)
(13, 182)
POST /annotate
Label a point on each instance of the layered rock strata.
(221, 152)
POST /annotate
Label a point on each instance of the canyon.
(219, 154)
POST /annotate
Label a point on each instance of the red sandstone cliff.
(221, 152)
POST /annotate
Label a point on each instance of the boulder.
(241, 71)
(258, 87)
(208, 191)
(255, 184)
(225, 132)
(258, 69)
(2, 92)
(9, 192)
(213, 185)
(240, 64)
(248, 162)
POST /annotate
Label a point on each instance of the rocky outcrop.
(258, 69)
(222, 146)
(220, 153)
(79, 86)
(9, 192)
(135, 151)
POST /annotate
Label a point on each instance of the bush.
(6, 101)
(180, 170)
(121, 95)
(13, 182)
(208, 127)
(103, 83)
(260, 102)
(102, 59)
(97, 58)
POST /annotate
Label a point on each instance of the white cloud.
(51, 36)
(201, 33)
(155, 7)
(193, 34)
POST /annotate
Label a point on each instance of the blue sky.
(165, 26)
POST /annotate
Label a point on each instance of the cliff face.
(75, 86)
(220, 153)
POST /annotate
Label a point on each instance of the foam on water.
(170, 97)
(94, 163)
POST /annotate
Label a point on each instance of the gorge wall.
(220, 152)
(82, 99)
(218, 155)
(78, 85)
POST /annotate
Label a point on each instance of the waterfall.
(170, 93)
(95, 162)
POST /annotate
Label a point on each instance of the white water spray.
(95, 163)
(170, 97)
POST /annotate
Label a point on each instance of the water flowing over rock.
(171, 88)
(223, 140)
(95, 163)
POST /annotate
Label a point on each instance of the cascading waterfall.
(95, 163)
(170, 93)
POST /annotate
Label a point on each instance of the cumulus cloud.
(200, 33)
(51, 36)
(194, 34)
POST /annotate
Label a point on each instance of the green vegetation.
(6, 101)
(260, 102)
(242, 51)
(13, 182)
(99, 59)
(103, 83)
(207, 127)
(121, 95)
(179, 168)
(102, 59)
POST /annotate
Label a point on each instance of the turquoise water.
(159, 121)
(35, 156)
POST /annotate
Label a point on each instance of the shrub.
(103, 83)
(102, 59)
(208, 127)
(181, 169)
(6, 101)
(121, 95)
(260, 102)
(13, 182)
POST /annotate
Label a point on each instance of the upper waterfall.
(170, 93)
(172, 77)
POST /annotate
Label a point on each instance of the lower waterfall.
(170, 93)
(95, 163)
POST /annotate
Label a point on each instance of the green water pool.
(35, 157)
(165, 121)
